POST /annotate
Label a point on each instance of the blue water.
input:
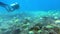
(36, 5)
(33, 7)
(28, 10)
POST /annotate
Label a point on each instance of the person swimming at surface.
(11, 7)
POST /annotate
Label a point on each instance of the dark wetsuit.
(2, 4)
(9, 8)
(5, 6)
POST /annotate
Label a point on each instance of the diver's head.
(14, 6)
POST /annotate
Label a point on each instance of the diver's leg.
(2, 4)
(5, 6)
(8, 7)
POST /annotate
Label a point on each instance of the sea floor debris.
(30, 23)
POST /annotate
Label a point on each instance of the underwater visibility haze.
(29, 16)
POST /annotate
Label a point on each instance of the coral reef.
(31, 23)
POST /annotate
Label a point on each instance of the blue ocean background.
(32, 5)
(30, 13)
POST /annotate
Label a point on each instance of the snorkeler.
(11, 7)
